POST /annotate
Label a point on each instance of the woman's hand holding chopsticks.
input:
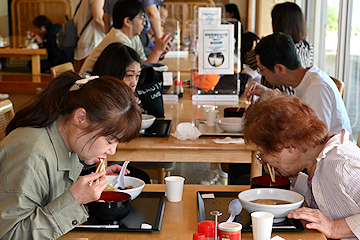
(84, 193)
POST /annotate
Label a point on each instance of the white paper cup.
(211, 115)
(174, 188)
(208, 108)
(262, 223)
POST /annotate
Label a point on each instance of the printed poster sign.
(216, 53)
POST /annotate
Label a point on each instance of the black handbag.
(67, 37)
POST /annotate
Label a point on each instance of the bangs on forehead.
(122, 128)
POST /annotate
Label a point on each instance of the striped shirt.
(335, 184)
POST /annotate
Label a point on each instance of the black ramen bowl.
(111, 206)
(233, 112)
(265, 182)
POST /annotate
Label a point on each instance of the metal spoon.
(121, 179)
(234, 209)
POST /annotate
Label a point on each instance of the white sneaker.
(4, 96)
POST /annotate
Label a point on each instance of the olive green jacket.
(36, 172)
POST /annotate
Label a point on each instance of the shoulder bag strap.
(77, 7)
(87, 23)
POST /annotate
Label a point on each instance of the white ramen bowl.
(137, 184)
(147, 121)
(230, 124)
(280, 211)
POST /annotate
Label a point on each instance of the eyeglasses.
(141, 19)
(260, 70)
(259, 156)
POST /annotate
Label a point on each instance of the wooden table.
(203, 149)
(180, 220)
(15, 50)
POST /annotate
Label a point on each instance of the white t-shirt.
(320, 92)
(114, 35)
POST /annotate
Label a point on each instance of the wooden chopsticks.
(100, 167)
(271, 172)
(251, 97)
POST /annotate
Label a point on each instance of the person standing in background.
(164, 13)
(45, 35)
(232, 11)
(93, 33)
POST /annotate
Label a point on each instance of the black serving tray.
(160, 128)
(147, 208)
(221, 201)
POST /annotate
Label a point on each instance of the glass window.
(352, 68)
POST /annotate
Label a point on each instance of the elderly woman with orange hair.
(290, 137)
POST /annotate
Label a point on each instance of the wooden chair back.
(23, 13)
(57, 70)
(6, 115)
(340, 85)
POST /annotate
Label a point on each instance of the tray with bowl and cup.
(210, 201)
(127, 210)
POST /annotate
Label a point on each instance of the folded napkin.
(229, 140)
(186, 131)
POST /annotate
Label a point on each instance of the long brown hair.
(278, 121)
(109, 103)
(288, 18)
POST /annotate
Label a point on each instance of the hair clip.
(81, 82)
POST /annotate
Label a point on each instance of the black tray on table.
(160, 128)
(147, 208)
(219, 201)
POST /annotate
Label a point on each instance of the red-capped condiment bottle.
(208, 228)
(198, 236)
(179, 88)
